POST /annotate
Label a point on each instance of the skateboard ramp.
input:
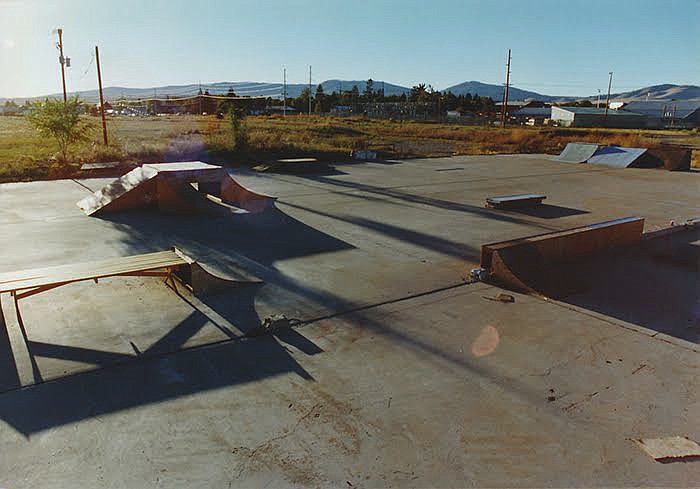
(672, 159)
(616, 156)
(537, 264)
(577, 152)
(235, 193)
(182, 188)
(134, 189)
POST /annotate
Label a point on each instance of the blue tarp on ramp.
(616, 156)
(577, 152)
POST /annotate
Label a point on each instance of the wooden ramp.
(169, 264)
(47, 278)
(169, 187)
(538, 264)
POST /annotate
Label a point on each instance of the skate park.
(390, 349)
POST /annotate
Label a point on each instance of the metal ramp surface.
(616, 156)
(577, 152)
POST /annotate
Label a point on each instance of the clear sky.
(560, 47)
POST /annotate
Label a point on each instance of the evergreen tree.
(369, 90)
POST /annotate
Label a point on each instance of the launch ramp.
(532, 264)
(617, 157)
(577, 152)
(169, 186)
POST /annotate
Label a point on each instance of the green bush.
(61, 121)
(239, 131)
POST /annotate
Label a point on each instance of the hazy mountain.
(330, 86)
(496, 92)
(661, 92)
(247, 88)
(274, 90)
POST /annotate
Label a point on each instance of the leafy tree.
(418, 92)
(301, 103)
(354, 97)
(380, 94)
(61, 121)
(320, 99)
(11, 107)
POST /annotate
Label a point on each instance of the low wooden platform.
(515, 201)
(200, 279)
(28, 282)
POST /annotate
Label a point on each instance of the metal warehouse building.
(593, 117)
(665, 113)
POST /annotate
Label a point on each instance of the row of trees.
(421, 94)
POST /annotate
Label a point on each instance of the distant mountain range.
(274, 90)
(496, 92)
(658, 92)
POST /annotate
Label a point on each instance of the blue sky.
(559, 47)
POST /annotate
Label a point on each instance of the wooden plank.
(669, 448)
(297, 160)
(28, 279)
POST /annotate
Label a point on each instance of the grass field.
(26, 156)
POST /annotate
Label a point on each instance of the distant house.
(664, 113)
(594, 117)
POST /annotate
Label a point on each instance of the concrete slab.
(400, 373)
(435, 390)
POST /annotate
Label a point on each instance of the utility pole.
(607, 101)
(102, 99)
(62, 61)
(597, 104)
(199, 97)
(309, 90)
(284, 92)
(504, 114)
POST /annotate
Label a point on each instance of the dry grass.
(26, 156)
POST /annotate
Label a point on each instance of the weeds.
(24, 155)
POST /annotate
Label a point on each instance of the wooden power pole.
(62, 61)
(504, 114)
(309, 90)
(102, 99)
(284, 93)
(607, 101)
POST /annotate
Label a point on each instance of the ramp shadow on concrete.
(264, 239)
(155, 375)
(413, 198)
(547, 211)
(654, 285)
(156, 379)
